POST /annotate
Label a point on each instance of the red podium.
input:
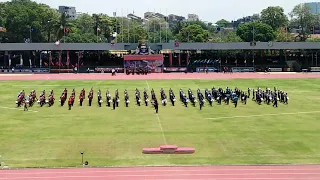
(169, 149)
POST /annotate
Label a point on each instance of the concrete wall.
(159, 46)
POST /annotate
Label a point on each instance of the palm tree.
(61, 26)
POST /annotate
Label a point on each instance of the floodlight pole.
(82, 156)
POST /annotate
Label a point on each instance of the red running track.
(157, 76)
(169, 173)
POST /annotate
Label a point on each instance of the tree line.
(28, 21)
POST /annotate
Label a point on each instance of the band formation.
(215, 95)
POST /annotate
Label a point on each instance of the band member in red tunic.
(51, 100)
(83, 92)
(42, 100)
(31, 101)
(43, 93)
(73, 92)
(81, 97)
(91, 91)
(72, 99)
(32, 98)
(20, 99)
(65, 92)
(70, 103)
(62, 99)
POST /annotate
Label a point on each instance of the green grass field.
(53, 137)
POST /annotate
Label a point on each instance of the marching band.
(219, 95)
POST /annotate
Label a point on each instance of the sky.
(207, 10)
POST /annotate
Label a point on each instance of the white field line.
(262, 115)
(17, 109)
(222, 176)
(211, 171)
(159, 121)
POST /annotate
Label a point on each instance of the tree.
(155, 24)
(81, 38)
(232, 37)
(274, 17)
(61, 27)
(24, 19)
(2, 13)
(222, 23)
(200, 23)
(177, 27)
(225, 36)
(161, 36)
(49, 21)
(282, 35)
(302, 17)
(193, 33)
(255, 31)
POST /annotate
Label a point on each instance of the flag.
(68, 58)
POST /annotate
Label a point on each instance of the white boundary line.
(262, 115)
(242, 171)
(222, 176)
(159, 121)
(17, 109)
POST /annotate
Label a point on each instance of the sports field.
(249, 134)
